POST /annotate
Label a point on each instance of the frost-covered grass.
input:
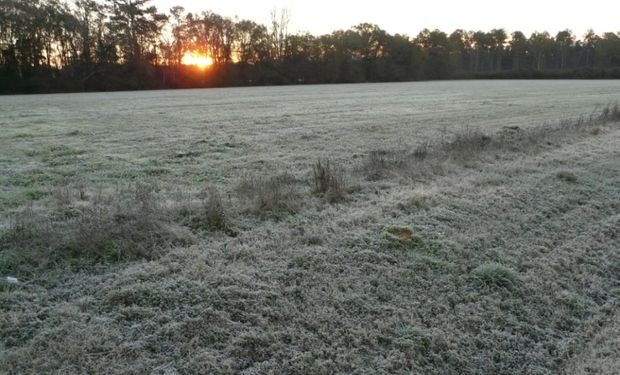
(197, 231)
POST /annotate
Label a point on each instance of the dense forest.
(87, 45)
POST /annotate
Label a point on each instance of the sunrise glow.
(197, 59)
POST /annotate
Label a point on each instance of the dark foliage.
(52, 46)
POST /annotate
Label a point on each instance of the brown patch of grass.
(401, 233)
(402, 238)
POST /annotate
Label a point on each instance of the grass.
(214, 214)
(402, 238)
(274, 196)
(121, 226)
(466, 145)
(472, 144)
(495, 275)
(380, 163)
(328, 180)
(415, 203)
(566, 176)
(432, 267)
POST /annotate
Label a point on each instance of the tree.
(564, 41)
(179, 35)
(460, 50)
(498, 37)
(541, 45)
(44, 43)
(437, 53)
(406, 59)
(590, 40)
(87, 12)
(483, 43)
(252, 42)
(136, 29)
(518, 48)
(279, 32)
(608, 50)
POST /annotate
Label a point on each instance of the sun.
(196, 59)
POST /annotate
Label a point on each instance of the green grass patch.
(23, 136)
(30, 178)
(495, 275)
(156, 171)
(301, 261)
(20, 197)
(566, 176)
(33, 195)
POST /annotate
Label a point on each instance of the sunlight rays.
(197, 59)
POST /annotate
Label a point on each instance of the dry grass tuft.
(466, 146)
(415, 203)
(422, 151)
(273, 197)
(328, 180)
(610, 113)
(213, 215)
(380, 163)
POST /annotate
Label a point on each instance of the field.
(466, 227)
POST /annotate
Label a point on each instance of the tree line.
(77, 45)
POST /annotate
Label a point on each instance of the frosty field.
(451, 227)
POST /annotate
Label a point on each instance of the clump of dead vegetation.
(472, 144)
(328, 180)
(212, 214)
(466, 145)
(270, 197)
(609, 113)
(380, 163)
(124, 224)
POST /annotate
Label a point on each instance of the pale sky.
(409, 17)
